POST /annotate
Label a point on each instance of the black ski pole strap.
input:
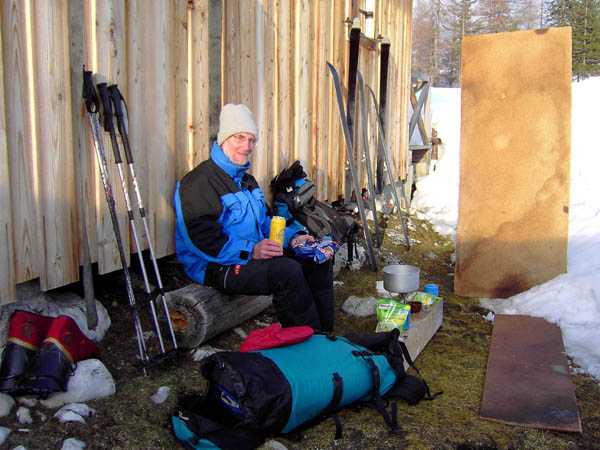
(89, 93)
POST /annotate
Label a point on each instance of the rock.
(79, 408)
(6, 404)
(27, 400)
(241, 333)
(24, 416)
(381, 292)
(68, 416)
(273, 445)
(72, 444)
(4, 432)
(90, 381)
(161, 395)
(358, 258)
(360, 307)
(200, 353)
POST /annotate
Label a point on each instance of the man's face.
(239, 147)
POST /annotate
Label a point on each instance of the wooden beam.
(19, 140)
(7, 271)
(55, 192)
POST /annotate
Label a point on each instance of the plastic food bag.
(392, 314)
(422, 297)
(314, 249)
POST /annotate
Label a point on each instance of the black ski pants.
(302, 290)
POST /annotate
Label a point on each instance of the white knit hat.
(235, 119)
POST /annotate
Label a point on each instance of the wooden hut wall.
(274, 58)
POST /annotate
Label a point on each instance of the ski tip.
(385, 40)
(356, 23)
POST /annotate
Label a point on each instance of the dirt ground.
(453, 362)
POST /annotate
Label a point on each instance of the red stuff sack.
(275, 336)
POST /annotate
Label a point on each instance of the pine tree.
(496, 16)
(583, 16)
(459, 21)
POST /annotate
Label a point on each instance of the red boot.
(26, 331)
(51, 367)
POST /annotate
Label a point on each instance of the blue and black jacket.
(220, 213)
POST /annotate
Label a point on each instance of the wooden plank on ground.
(527, 380)
(514, 161)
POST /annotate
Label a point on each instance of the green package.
(392, 314)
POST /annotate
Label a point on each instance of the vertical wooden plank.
(181, 80)
(134, 91)
(160, 114)
(268, 93)
(284, 116)
(230, 51)
(77, 58)
(303, 73)
(55, 191)
(19, 141)
(319, 16)
(198, 78)
(108, 63)
(254, 65)
(7, 270)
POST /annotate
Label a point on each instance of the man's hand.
(301, 238)
(266, 249)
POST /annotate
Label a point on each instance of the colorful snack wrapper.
(315, 250)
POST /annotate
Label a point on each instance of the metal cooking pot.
(401, 278)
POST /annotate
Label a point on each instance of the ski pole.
(109, 127)
(117, 98)
(363, 118)
(389, 168)
(91, 102)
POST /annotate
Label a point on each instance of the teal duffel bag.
(274, 391)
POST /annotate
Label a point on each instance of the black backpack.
(293, 199)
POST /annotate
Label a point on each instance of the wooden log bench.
(199, 313)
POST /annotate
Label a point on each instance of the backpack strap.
(329, 411)
(427, 393)
(377, 402)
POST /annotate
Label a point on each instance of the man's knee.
(286, 273)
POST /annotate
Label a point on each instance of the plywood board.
(514, 162)
(527, 381)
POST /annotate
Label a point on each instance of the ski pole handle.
(116, 97)
(108, 119)
(89, 93)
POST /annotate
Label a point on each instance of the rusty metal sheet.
(514, 161)
(527, 381)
